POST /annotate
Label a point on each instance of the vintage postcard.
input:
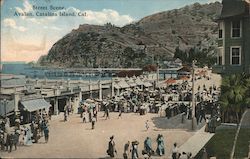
(164, 79)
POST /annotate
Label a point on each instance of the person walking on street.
(148, 146)
(93, 122)
(46, 134)
(147, 125)
(120, 113)
(90, 115)
(126, 150)
(175, 152)
(202, 114)
(65, 116)
(107, 113)
(84, 117)
(160, 145)
(204, 154)
(111, 148)
(134, 150)
(95, 113)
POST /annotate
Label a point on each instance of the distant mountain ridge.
(152, 38)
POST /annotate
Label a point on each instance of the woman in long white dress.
(27, 136)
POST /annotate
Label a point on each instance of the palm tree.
(234, 97)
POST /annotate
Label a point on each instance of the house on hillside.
(234, 37)
(173, 63)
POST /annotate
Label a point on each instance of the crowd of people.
(132, 151)
(169, 101)
(24, 135)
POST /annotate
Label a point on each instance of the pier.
(92, 72)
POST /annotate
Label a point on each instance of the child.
(93, 122)
(120, 114)
(147, 125)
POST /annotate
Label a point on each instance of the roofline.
(234, 16)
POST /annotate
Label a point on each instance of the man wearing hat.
(134, 150)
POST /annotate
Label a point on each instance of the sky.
(26, 38)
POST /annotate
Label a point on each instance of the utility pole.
(157, 76)
(194, 125)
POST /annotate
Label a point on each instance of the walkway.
(196, 142)
(74, 139)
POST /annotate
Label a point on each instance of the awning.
(147, 84)
(6, 107)
(116, 86)
(35, 104)
(170, 81)
(123, 84)
(138, 82)
(132, 84)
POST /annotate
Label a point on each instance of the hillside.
(154, 37)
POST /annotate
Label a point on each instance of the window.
(220, 59)
(236, 29)
(235, 55)
(221, 28)
(220, 33)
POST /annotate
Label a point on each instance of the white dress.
(27, 137)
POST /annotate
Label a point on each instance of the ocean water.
(29, 71)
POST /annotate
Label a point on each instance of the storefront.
(28, 108)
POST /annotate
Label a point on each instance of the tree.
(150, 68)
(180, 54)
(130, 55)
(233, 99)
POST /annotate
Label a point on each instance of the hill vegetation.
(153, 38)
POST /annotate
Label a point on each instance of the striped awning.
(35, 104)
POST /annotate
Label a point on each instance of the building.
(185, 71)
(234, 37)
(24, 97)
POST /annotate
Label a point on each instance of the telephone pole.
(194, 125)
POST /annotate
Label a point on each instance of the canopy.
(116, 86)
(170, 81)
(132, 84)
(138, 81)
(184, 78)
(123, 84)
(35, 104)
(147, 84)
(6, 106)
